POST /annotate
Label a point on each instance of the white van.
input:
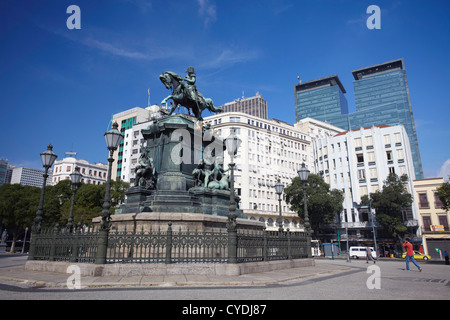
(360, 252)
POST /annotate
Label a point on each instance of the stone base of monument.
(141, 269)
(135, 198)
(196, 200)
(146, 221)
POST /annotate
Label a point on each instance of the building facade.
(254, 106)
(357, 162)
(381, 97)
(30, 177)
(322, 99)
(126, 120)
(270, 150)
(433, 219)
(92, 173)
(5, 171)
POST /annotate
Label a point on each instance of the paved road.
(386, 280)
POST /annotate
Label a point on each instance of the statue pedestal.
(135, 200)
(214, 201)
(168, 141)
(183, 221)
(2, 248)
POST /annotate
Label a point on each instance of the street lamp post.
(48, 157)
(232, 144)
(113, 138)
(372, 217)
(75, 176)
(303, 174)
(279, 187)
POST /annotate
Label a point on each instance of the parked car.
(418, 256)
(361, 252)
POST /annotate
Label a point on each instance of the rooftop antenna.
(148, 103)
(299, 80)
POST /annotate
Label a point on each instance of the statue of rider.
(191, 88)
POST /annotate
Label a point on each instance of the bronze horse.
(181, 95)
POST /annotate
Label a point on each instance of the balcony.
(424, 205)
(435, 229)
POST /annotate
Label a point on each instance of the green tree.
(89, 200)
(18, 206)
(390, 202)
(118, 189)
(322, 203)
(87, 205)
(443, 193)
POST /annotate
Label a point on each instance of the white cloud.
(143, 5)
(229, 57)
(109, 48)
(207, 11)
(445, 170)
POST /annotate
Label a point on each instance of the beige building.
(433, 219)
(254, 106)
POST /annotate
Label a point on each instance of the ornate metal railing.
(182, 246)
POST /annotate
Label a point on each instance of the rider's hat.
(190, 70)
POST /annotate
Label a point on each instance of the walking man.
(410, 254)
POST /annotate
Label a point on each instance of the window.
(426, 223)
(363, 191)
(423, 201)
(389, 155)
(371, 156)
(400, 155)
(360, 158)
(235, 119)
(443, 222)
(373, 188)
(437, 202)
(369, 141)
(361, 174)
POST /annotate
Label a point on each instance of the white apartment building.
(132, 143)
(92, 173)
(270, 150)
(358, 162)
(30, 177)
(126, 120)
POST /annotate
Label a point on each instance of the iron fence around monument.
(181, 246)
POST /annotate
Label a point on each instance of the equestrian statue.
(184, 92)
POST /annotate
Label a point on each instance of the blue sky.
(62, 86)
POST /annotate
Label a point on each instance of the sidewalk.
(12, 270)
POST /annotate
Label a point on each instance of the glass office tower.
(381, 97)
(322, 99)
